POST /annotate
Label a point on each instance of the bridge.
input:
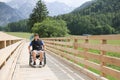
(68, 58)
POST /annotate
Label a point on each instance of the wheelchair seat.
(37, 56)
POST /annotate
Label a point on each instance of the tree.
(39, 14)
(51, 28)
(20, 26)
(116, 22)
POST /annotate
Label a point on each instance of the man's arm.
(44, 48)
(29, 47)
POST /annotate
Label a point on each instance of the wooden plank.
(99, 37)
(111, 60)
(70, 44)
(60, 53)
(105, 47)
(92, 64)
(90, 55)
(105, 37)
(69, 50)
(4, 36)
(112, 72)
(62, 39)
(79, 37)
(110, 48)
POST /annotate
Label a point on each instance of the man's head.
(36, 36)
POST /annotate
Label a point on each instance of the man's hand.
(29, 49)
(44, 48)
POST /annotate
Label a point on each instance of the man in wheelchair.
(38, 48)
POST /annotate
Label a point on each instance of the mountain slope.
(101, 6)
(8, 14)
(83, 6)
(101, 17)
(57, 8)
(26, 7)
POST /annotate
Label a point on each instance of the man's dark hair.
(36, 34)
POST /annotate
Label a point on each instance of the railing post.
(2, 44)
(85, 51)
(68, 40)
(9, 42)
(75, 47)
(102, 54)
(75, 44)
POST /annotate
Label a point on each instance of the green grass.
(109, 77)
(114, 42)
(20, 34)
(94, 70)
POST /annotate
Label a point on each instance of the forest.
(20, 26)
(101, 17)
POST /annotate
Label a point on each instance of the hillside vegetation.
(99, 17)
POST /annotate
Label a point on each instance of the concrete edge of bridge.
(88, 73)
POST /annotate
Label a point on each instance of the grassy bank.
(20, 34)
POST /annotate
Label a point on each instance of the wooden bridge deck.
(54, 70)
(63, 57)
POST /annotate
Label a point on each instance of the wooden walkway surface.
(4, 36)
(54, 70)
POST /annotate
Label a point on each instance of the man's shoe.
(34, 63)
(40, 63)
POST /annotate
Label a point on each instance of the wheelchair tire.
(44, 59)
(30, 59)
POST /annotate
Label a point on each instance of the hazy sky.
(73, 3)
(70, 2)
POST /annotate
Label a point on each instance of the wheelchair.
(37, 58)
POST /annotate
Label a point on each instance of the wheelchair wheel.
(44, 59)
(30, 58)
